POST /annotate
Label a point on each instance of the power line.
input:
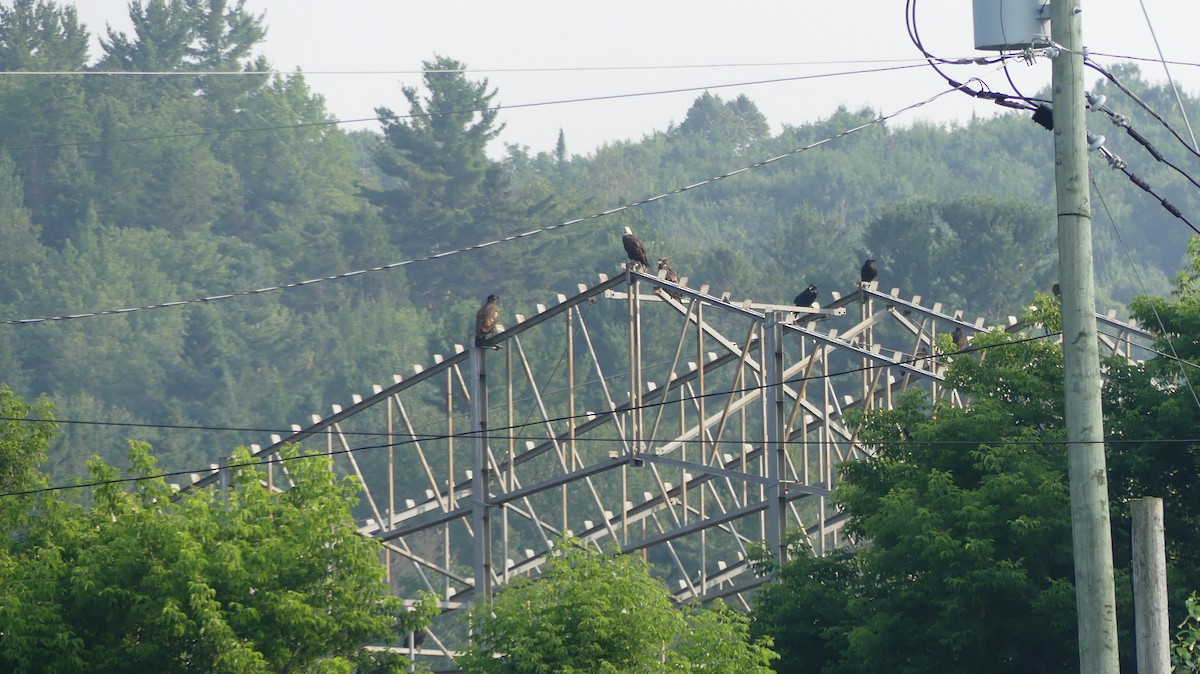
(514, 237)
(416, 438)
(1163, 328)
(495, 108)
(1137, 99)
(1167, 70)
(1119, 164)
(1146, 59)
(584, 415)
(440, 71)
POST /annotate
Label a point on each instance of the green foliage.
(239, 581)
(984, 252)
(1151, 408)
(1185, 652)
(968, 565)
(591, 612)
(25, 432)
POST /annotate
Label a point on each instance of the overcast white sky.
(369, 48)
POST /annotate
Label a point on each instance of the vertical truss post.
(391, 472)
(635, 363)
(480, 474)
(774, 452)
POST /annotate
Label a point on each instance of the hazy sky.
(358, 54)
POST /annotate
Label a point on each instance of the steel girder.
(638, 415)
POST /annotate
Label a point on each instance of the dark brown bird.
(1057, 290)
(486, 319)
(634, 248)
(960, 338)
(869, 271)
(807, 296)
(670, 273)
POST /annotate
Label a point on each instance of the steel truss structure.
(638, 415)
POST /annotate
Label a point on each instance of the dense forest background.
(124, 191)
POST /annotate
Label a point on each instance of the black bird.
(869, 271)
(1057, 290)
(806, 297)
(634, 248)
(960, 338)
(486, 319)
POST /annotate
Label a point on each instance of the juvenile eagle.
(807, 296)
(960, 338)
(670, 275)
(869, 271)
(486, 319)
(634, 248)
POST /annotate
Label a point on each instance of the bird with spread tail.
(486, 319)
(869, 271)
(806, 296)
(634, 249)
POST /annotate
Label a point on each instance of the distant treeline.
(128, 191)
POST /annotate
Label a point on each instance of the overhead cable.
(515, 237)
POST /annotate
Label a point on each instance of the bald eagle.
(486, 319)
(869, 271)
(806, 297)
(634, 248)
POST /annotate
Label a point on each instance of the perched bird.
(869, 271)
(634, 248)
(807, 296)
(669, 275)
(960, 338)
(1057, 290)
(486, 319)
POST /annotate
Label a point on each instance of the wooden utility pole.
(1095, 597)
(1151, 624)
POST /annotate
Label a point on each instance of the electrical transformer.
(1011, 25)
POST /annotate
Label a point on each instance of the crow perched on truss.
(869, 271)
(807, 296)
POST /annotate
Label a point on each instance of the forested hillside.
(123, 191)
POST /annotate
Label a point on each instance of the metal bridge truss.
(637, 415)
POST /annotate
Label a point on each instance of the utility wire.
(281, 431)
(1171, 80)
(513, 427)
(1018, 101)
(275, 459)
(516, 106)
(450, 253)
(1161, 326)
(1145, 59)
(1120, 165)
(1123, 122)
(437, 71)
(1137, 99)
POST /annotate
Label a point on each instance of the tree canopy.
(241, 580)
(593, 612)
